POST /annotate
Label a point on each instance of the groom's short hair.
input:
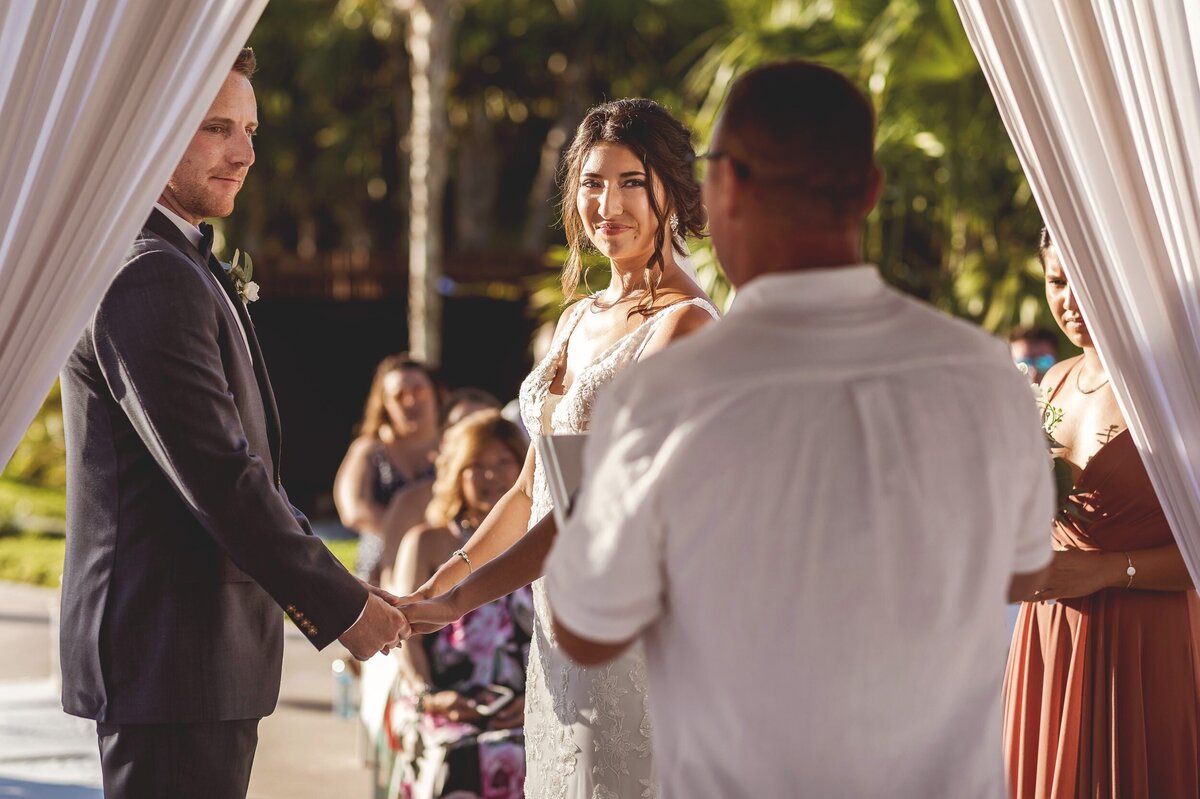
(245, 63)
(805, 132)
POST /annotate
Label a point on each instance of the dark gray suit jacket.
(181, 543)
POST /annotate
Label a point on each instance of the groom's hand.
(380, 628)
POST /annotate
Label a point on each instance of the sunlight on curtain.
(1102, 102)
(98, 100)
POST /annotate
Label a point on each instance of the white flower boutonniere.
(241, 269)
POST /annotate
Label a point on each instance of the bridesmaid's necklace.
(1079, 387)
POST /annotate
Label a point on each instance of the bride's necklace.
(1079, 387)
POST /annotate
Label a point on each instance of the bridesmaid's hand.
(1076, 573)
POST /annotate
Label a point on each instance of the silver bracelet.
(466, 558)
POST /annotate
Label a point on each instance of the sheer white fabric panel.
(1102, 102)
(98, 101)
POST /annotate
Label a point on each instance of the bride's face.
(614, 204)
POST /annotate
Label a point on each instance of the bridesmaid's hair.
(664, 146)
(374, 416)
(461, 444)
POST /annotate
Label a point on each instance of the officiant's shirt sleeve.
(1035, 483)
(604, 575)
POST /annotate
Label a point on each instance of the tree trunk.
(430, 37)
(571, 106)
(477, 181)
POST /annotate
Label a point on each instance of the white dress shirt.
(193, 235)
(811, 511)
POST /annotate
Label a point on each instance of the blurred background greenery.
(327, 208)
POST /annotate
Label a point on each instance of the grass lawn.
(27, 508)
(32, 558)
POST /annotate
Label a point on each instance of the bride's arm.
(517, 566)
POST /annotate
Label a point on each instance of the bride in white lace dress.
(629, 193)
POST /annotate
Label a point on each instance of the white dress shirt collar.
(186, 228)
(809, 289)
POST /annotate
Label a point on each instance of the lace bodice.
(587, 730)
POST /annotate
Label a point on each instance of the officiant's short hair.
(246, 63)
(803, 129)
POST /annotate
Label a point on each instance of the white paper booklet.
(562, 460)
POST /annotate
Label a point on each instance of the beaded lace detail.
(587, 730)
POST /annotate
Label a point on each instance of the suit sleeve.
(155, 336)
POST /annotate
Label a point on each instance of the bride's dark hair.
(664, 146)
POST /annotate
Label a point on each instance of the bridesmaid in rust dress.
(1102, 693)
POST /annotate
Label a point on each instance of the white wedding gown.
(587, 730)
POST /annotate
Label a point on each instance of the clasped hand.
(381, 628)
(1076, 573)
(428, 614)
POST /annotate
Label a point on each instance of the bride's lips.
(611, 228)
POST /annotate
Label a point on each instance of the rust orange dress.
(1102, 693)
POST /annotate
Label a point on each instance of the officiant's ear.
(875, 184)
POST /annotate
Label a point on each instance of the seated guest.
(397, 441)
(463, 732)
(1102, 695)
(1035, 348)
(462, 402)
(810, 512)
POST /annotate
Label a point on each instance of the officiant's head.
(214, 166)
(790, 173)
(628, 193)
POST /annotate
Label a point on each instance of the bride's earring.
(673, 221)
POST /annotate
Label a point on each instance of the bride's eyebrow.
(638, 174)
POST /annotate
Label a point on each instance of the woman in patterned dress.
(629, 193)
(460, 731)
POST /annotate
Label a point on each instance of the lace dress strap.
(646, 331)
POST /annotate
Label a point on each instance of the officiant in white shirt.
(814, 511)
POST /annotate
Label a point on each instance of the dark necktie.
(214, 265)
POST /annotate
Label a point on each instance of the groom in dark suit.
(181, 543)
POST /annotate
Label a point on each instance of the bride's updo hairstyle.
(664, 146)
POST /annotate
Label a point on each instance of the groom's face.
(215, 164)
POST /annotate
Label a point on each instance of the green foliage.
(957, 225)
(40, 458)
(32, 558)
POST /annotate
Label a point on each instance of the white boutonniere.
(241, 270)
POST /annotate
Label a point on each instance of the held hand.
(386, 596)
(430, 615)
(381, 628)
(1076, 573)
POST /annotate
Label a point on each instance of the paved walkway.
(304, 751)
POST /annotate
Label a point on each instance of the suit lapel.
(164, 228)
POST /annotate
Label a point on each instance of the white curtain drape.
(1102, 101)
(98, 101)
